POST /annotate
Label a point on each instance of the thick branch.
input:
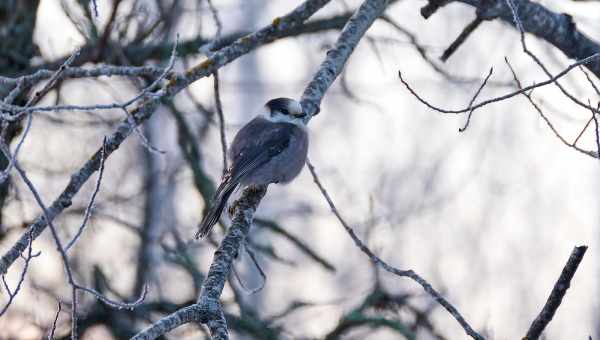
(138, 54)
(228, 249)
(217, 274)
(199, 312)
(558, 292)
(555, 28)
(337, 56)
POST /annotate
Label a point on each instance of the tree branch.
(556, 28)
(558, 292)
(337, 56)
(403, 273)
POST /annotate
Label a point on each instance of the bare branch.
(61, 250)
(558, 292)
(537, 60)
(596, 130)
(81, 72)
(95, 3)
(53, 329)
(503, 97)
(423, 53)
(556, 28)
(545, 117)
(12, 294)
(207, 308)
(34, 99)
(90, 206)
(462, 37)
(261, 272)
(199, 312)
(219, 109)
(474, 98)
(402, 273)
(337, 56)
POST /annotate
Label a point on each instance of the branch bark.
(558, 292)
(558, 29)
(216, 277)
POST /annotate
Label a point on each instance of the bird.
(271, 148)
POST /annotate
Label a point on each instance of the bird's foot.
(232, 208)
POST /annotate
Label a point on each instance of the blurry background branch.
(558, 29)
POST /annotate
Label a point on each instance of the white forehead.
(295, 106)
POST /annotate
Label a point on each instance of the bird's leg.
(254, 189)
(232, 208)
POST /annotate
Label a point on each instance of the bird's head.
(285, 110)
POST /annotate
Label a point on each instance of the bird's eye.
(285, 112)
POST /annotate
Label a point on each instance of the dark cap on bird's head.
(285, 106)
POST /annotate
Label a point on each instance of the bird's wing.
(256, 144)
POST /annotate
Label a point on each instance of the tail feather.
(214, 213)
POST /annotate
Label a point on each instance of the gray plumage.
(271, 148)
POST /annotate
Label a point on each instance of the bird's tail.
(214, 213)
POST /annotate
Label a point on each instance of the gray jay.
(271, 148)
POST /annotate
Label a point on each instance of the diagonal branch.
(557, 29)
(462, 37)
(402, 273)
(337, 56)
(558, 292)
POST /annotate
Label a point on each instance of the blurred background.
(488, 216)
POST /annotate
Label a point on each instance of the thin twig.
(12, 294)
(430, 61)
(473, 100)
(589, 79)
(95, 7)
(503, 97)
(84, 72)
(90, 206)
(544, 117)
(596, 130)
(53, 329)
(583, 130)
(207, 49)
(219, 109)
(32, 100)
(65, 259)
(18, 111)
(402, 273)
(260, 287)
(462, 37)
